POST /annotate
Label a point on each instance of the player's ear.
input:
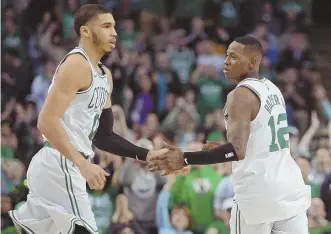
(84, 31)
(253, 62)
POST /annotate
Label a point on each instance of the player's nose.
(226, 62)
(114, 33)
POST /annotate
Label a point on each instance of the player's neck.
(94, 54)
(252, 74)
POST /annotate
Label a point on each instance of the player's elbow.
(44, 124)
(41, 125)
(241, 155)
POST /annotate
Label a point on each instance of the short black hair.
(86, 13)
(250, 43)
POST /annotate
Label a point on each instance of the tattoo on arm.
(240, 108)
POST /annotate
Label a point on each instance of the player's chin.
(227, 74)
(110, 48)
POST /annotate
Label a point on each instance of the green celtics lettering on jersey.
(81, 119)
(278, 132)
(98, 100)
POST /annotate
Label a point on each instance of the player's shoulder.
(74, 70)
(242, 96)
(74, 61)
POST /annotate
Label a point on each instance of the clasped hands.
(170, 159)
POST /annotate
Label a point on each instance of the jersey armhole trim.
(88, 59)
(256, 93)
(89, 88)
(64, 59)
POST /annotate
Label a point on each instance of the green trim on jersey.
(48, 145)
(25, 228)
(252, 89)
(88, 58)
(71, 194)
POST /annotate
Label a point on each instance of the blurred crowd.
(168, 87)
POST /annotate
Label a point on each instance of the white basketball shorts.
(294, 225)
(57, 199)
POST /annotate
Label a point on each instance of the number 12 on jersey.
(278, 140)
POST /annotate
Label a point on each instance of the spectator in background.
(305, 168)
(196, 192)
(123, 220)
(261, 32)
(197, 33)
(14, 76)
(268, 16)
(143, 104)
(292, 17)
(296, 52)
(207, 81)
(50, 43)
(326, 194)
(12, 174)
(11, 38)
(6, 205)
(9, 141)
(182, 120)
(165, 81)
(178, 220)
(41, 83)
(229, 16)
(120, 127)
(316, 218)
(150, 127)
(207, 56)
(222, 205)
(103, 201)
(127, 34)
(288, 80)
(266, 66)
(141, 187)
(222, 226)
(322, 165)
(181, 57)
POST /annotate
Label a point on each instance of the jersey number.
(94, 127)
(278, 135)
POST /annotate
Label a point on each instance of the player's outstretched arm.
(107, 140)
(73, 75)
(240, 105)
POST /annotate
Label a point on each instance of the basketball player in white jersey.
(270, 194)
(77, 110)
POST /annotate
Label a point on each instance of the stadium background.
(169, 86)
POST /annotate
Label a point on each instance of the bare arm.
(304, 143)
(67, 82)
(240, 106)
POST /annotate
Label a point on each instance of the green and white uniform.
(58, 199)
(268, 183)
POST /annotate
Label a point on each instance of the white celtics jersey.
(81, 119)
(268, 183)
